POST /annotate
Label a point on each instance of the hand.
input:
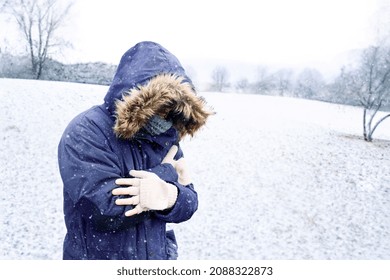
(148, 192)
(179, 165)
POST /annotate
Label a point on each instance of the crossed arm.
(147, 191)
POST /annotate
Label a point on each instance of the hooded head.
(150, 84)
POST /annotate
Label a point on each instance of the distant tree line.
(308, 83)
(19, 67)
(366, 84)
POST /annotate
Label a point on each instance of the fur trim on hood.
(167, 96)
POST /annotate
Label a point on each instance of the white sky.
(280, 31)
(258, 31)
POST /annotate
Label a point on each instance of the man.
(123, 172)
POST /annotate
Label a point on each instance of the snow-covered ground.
(277, 178)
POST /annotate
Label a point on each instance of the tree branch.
(381, 120)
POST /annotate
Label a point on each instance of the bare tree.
(39, 20)
(283, 81)
(310, 82)
(219, 78)
(371, 81)
(242, 85)
(263, 83)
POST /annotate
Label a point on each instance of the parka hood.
(138, 65)
(151, 81)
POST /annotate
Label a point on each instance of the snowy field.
(277, 178)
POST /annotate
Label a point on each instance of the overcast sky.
(257, 31)
(262, 31)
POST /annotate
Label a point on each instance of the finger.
(126, 191)
(181, 163)
(127, 182)
(120, 191)
(181, 166)
(184, 181)
(140, 174)
(171, 154)
(136, 210)
(128, 201)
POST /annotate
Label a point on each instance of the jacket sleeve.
(187, 198)
(185, 206)
(165, 171)
(89, 168)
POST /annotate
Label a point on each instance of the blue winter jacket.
(92, 156)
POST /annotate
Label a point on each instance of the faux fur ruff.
(166, 96)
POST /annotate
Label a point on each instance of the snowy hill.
(277, 178)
